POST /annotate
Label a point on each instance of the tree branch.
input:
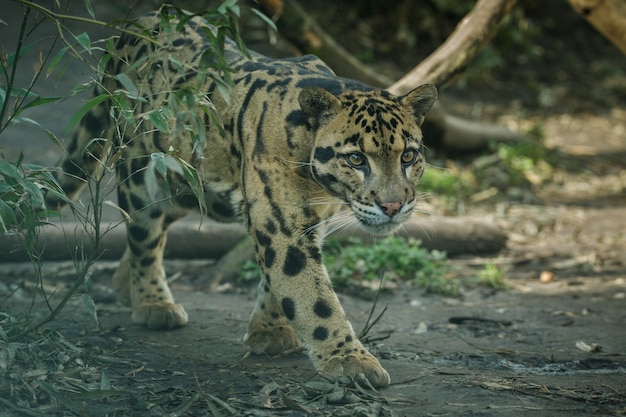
(470, 36)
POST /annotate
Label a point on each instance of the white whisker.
(340, 227)
(418, 209)
(331, 223)
(298, 163)
(324, 201)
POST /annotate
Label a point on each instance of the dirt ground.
(555, 347)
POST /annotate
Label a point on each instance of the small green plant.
(520, 164)
(526, 161)
(492, 276)
(398, 259)
(447, 183)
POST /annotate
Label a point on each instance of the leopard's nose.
(391, 208)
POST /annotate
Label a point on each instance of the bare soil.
(546, 347)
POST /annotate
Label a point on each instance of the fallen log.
(209, 240)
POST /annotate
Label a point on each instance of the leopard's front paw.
(271, 340)
(357, 364)
(160, 315)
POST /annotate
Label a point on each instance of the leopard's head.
(368, 150)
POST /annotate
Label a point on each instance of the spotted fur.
(304, 152)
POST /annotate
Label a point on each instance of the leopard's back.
(263, 104)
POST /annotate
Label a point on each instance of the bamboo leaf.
(91, 307)
(128, 85)
(37, 101)
(55, 61)
(90, 9)
(76, 117)
(265, 18)
(159, 121)
(84, 41)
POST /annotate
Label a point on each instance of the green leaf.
(7, 217)
(91, 307)
(195, 182)
(8, 169)
(55, 61)
(229, 6)
(12, 59)
(128, 85)
(90, 9)
(159, 120)
(79, 88)
(37, 101)
(269, 22)
(173, 164)
(157, 160)
(102, 64)
(76, 117)
(84, 41)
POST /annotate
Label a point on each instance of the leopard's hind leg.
(140, 279)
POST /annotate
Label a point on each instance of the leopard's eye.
(408, 157)
(356, 160)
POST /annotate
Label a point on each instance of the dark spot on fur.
(222, 209)
(315, 254)
(92, 123)
(324, 154)
(155, 213)
(134, 248)
(168, 220)
(73, 169)
(122, 172)
(262, 238)
(147, 261)
(138, 233)
(271, 227)
(320, 333)
(328, 179)
(322, 309)
(295, 261)
(188, 201)
(296, 118)
(154, 243)
(270, 256)
(259, 145)
(122, 200)
(136, 168)
(136, 202)
(289, 308)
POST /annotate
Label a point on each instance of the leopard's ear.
(420, 100)
(319, 105)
